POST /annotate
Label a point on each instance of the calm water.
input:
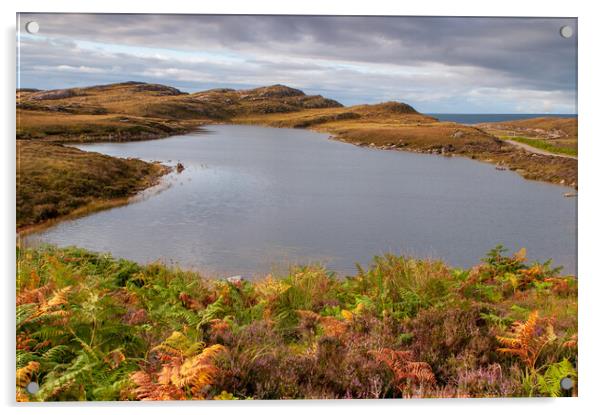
(479, 118)
(255, 199)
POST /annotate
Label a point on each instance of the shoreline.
(165, 179)
(102, 204)
(489, 158)
(451, 155)
(99, 205)
(481, 160)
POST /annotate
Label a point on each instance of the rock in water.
(235, 279)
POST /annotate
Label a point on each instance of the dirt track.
(538, 150)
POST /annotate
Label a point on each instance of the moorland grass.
(54, 180)
(543, 127)
(65, 127)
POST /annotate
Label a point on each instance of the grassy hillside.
(54, 180)
(389, 124)
(68, 127)
(134, 110)
(90, 327)
(115, 112)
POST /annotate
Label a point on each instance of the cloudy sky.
(438, 65)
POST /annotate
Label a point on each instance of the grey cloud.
(449, 58)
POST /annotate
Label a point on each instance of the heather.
(91, 327)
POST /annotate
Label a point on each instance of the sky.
(436, 64)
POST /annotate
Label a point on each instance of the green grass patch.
(544, 145)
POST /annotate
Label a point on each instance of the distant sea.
(479, 118)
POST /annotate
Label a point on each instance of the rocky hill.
(160, 101)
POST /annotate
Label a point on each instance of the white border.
(590, 210)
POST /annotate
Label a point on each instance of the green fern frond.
(549, 382)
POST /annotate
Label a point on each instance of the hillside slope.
(159, 102)
(55, 180)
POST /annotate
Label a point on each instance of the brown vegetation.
(134, 110)
(54, 180)
(542, 127)
(68, 127)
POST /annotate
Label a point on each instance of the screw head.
(566, 383)
(32, 27)
(566, 32)
(32, 387)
